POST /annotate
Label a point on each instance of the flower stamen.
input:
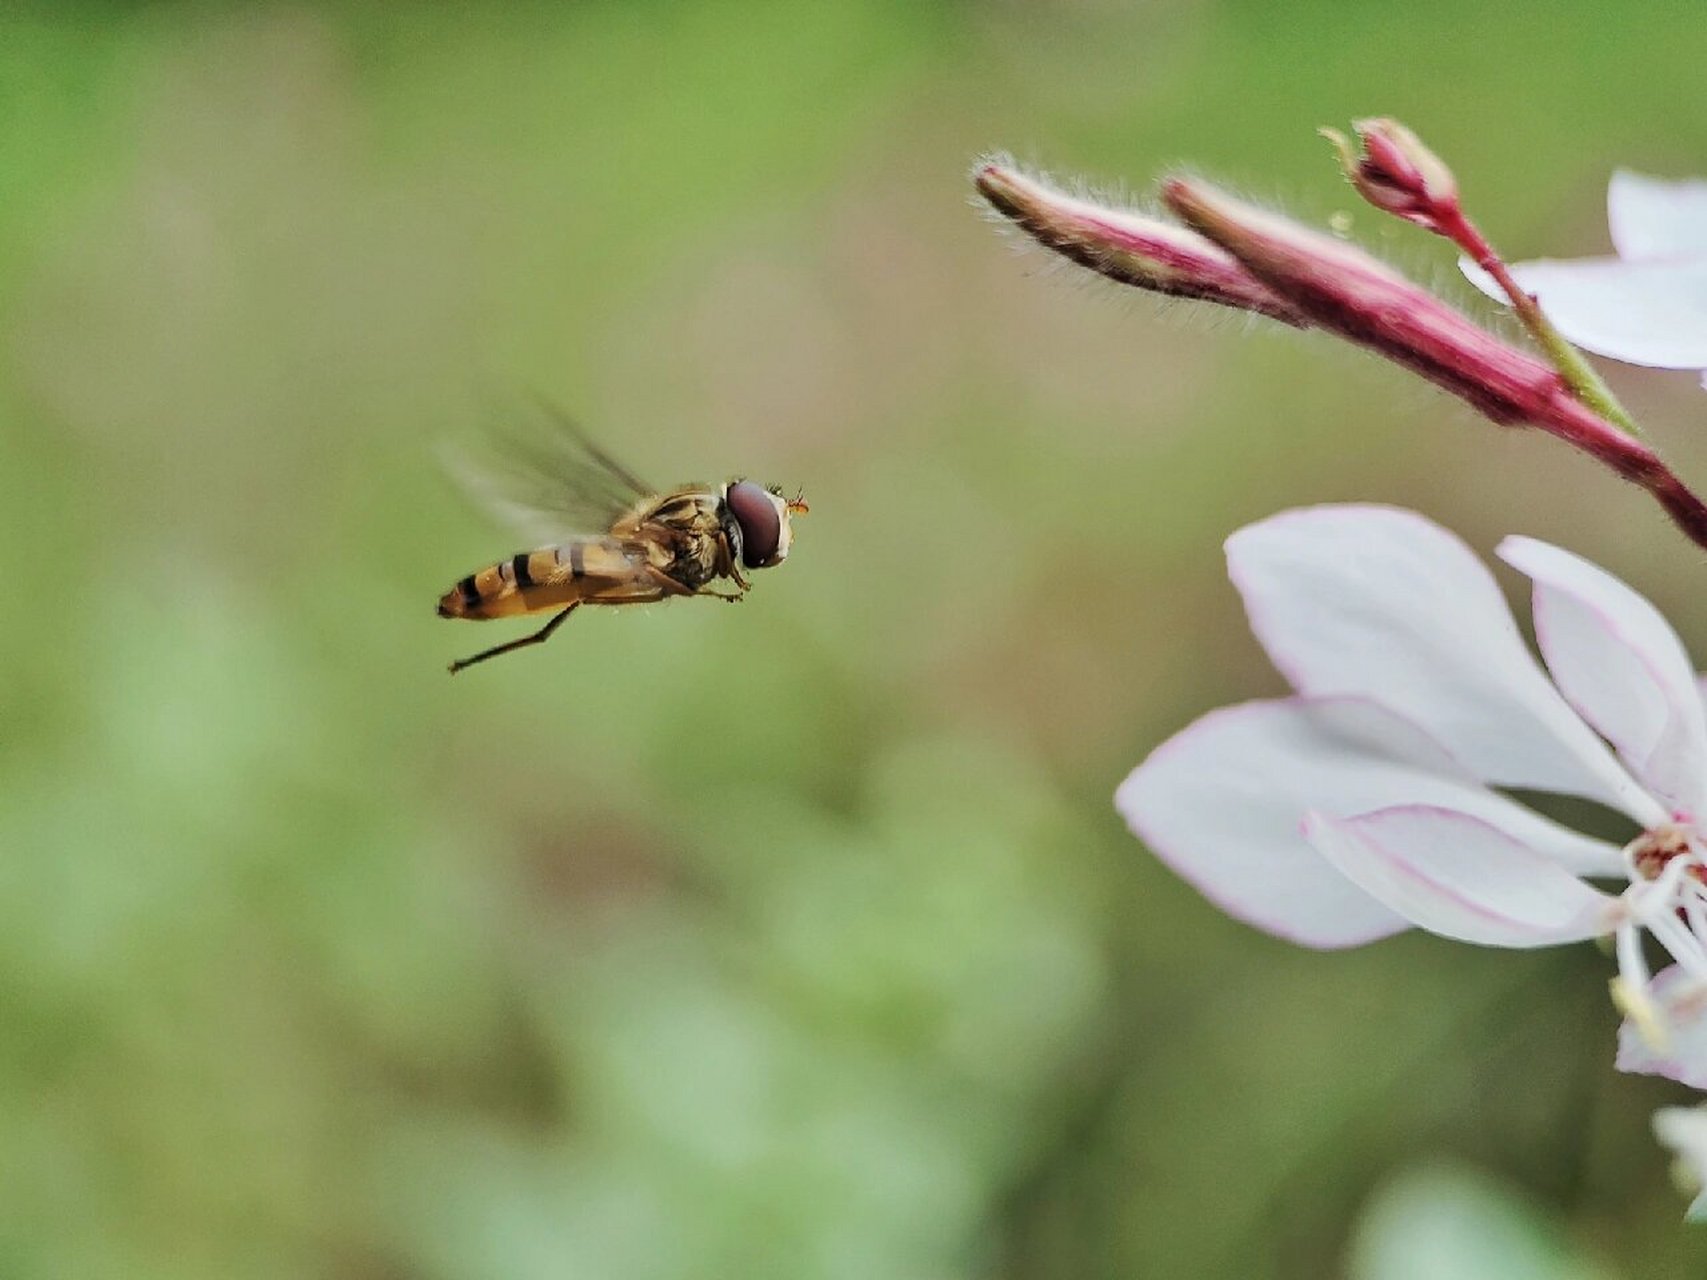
(1667, 898)
(1635, 1004)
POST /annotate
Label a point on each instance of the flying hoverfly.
(612, 539)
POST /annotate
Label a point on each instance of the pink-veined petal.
(1621, 665)
(1651, 312)
(1682, 1003)
(1657, 217)
(1221, 802)
(1457, 876)
(1381, 603)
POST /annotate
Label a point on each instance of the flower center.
(1667, 898)
(1653, 851)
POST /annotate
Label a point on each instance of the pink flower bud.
(1340, 288)
(1246, 258)
(1396, 172)
(1131, 248)
(1343, 289)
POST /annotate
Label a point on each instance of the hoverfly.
(616, 540)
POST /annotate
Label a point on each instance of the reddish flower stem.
(1634, 461)
(1344, 290)
(1252, 260)
(1587, 385)
(1398, 174)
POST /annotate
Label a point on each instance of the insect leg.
(670, 587)
(538, 637)
(730, 566)
(667, 586)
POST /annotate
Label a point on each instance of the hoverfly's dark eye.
(761, 524)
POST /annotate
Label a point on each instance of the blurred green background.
(799, 940)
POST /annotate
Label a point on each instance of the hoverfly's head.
(761, 518)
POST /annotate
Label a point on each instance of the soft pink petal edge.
(1182, 802)
(1621, 665)
(1221, 801)
(1380, 602)
(1457, 876)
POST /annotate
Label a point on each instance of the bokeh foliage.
(797, 940)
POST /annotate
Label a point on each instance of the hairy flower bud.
(1343, 289)
(1128, 247)
(1396, 172)
(1253, 260)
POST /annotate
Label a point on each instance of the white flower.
(1646, 306)
(1366, 803)
(1684, 1130)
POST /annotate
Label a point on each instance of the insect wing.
(548, 480)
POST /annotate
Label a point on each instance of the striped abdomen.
(592, 570)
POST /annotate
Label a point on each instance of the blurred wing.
(547, 480)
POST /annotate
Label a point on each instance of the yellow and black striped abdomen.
(551, 577)
(501, 590)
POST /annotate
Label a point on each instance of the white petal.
(1457, 876)
(1648, 305)
(1482, 280)
(1656, 217)
(1622, 666)
(1684, 1130)
(1650, 312)
(1221, 803)
(1381, 603)
(1682, 1002)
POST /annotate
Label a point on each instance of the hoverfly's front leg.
(538, 637)
(736, 598)
(728, 566)
(670, 587)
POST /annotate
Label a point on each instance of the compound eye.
(760, 521)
